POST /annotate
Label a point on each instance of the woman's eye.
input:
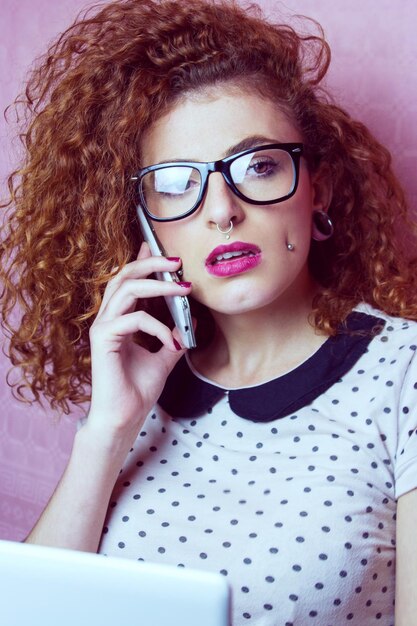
(169, 195)
(192, 183)
(263, 167)
(179, 187)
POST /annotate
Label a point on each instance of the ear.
(322, 189)
(321, 192)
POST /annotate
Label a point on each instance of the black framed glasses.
(265, 174)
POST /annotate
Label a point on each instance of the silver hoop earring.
(227, 231)
(322, 226)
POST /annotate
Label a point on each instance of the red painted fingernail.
(185, 285)
(173, 259)
(177, 345)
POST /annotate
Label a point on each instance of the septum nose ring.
(227, 231)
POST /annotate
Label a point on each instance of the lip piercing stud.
(227, 231)
(290, 247)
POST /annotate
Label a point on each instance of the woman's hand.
(126, 382)
(127, 379)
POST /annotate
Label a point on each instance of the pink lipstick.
(232, 259)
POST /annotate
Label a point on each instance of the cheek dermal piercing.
(226, 232)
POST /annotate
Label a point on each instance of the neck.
(252, 347)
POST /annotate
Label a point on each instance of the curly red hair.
(71, 216)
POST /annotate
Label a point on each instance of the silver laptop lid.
(48, 587)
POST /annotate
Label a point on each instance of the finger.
(169, 356)
(178, 341)
(144, 251)
(123, 300)
(108, 336)
(141, 268)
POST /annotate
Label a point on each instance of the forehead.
(203, 126)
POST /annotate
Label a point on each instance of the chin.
(238, 304)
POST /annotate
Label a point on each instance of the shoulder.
(393, 320)
(394, 328)
(393, 349)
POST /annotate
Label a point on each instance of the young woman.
(282, 450)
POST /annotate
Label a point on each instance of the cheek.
(293, 225)
(300, 225)
(166, 234)
(178, 244)
(178, 238)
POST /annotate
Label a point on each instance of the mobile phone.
(178, 306)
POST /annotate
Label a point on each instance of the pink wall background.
(373, 75)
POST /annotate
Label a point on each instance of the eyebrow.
(244, 144)
(249, 142)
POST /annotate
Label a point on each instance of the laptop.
(42, 586)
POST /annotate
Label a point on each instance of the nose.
(220, 205)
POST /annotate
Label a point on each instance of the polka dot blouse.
(295, 507)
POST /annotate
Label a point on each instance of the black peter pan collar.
(187, 395)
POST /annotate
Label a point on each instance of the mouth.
(233, 259)
(232, 251)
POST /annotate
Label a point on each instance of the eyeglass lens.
(262, 176)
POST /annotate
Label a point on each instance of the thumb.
(171, 354)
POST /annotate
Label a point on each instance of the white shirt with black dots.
(297, 513)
